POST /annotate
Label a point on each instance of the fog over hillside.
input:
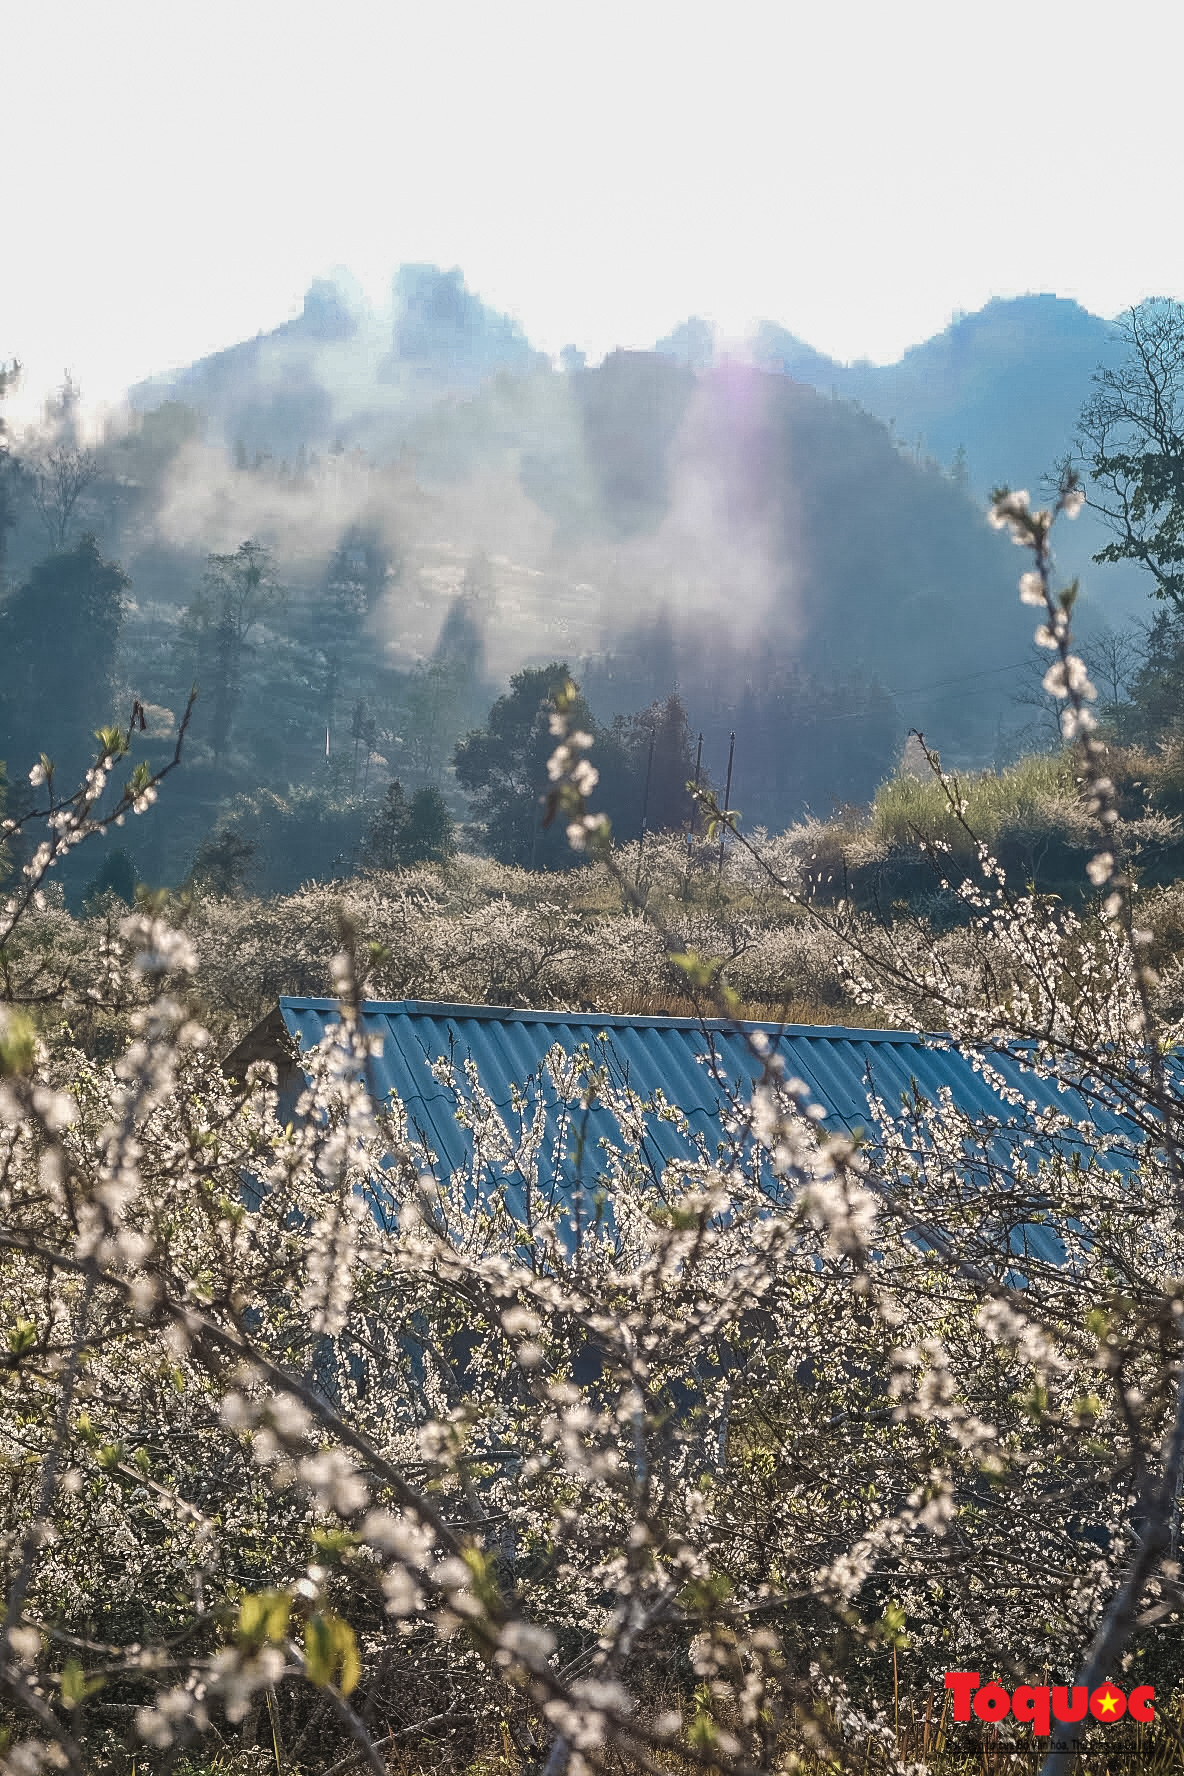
(1003, 386)
(993, 398)
(797, 546)
(342, 371)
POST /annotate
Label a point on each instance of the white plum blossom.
(362, 1432)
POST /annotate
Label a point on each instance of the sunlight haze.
(856, 173)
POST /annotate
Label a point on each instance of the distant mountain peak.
(333, 307)
(693, 344)
(441, 324)
(773, 348)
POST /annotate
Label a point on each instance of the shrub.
(306, 835)
(117, 876)
(571, 1450)
(909, 807)
(403, 833)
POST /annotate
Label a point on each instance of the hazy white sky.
(175, 174)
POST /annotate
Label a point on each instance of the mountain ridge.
(1004, 382)
(799, 545)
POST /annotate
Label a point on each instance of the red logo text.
(1038, 1706)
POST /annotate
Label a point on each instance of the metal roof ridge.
(617, 1019)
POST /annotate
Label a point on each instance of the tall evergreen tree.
(1157, 687)
(358, 572)
(382, 847)
(429, 836)
(661, 755)
(237, 592)
(58, 639)
(447, 694)
(402, 832)
(503, 766)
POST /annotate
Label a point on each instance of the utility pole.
(727, 803)
(695, 809)
(686, 884)
(645, 801)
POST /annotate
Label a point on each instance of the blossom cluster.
(300, 1422)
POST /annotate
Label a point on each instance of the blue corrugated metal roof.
(666, 1054)
(646, 1054)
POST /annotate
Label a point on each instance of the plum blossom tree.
(565, 1452)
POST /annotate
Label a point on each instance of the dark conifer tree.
(429, 836)
(661, 756)
(503, 766)
(58, 638)
(382, 847)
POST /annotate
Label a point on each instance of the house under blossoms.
(560, 1087)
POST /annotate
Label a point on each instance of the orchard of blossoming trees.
(312, 1458)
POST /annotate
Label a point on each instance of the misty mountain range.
(1004, 384)
(992, 399)
(695, 486)
(799, 546)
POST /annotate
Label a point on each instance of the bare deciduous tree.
(1114, 656)
(57, 479)
(1130, 442)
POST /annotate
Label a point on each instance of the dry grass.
(906, 806)
(925, 1736)
(811, 1012)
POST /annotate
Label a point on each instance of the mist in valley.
(438, 507)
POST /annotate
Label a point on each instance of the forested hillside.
(993, 398)
(324, 1449)
(351, 532)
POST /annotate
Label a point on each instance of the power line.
(916, 691)
(940, 685)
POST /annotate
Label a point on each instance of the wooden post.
(727, 803)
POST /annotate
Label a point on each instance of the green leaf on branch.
(22, 1336)
(565, 695)
(890, 1626)
(138, 782)
(263, 1616)
(484, 1577)
(76, 1686)
(704, 1596)
(333, 1543)
(331, 1652)
(18, 1043)
(699, 971)
(702, 1734)
(113, 742)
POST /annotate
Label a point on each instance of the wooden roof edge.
(268, 1040)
